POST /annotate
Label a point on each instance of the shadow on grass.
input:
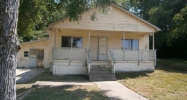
(126, 75)
(67, 92)
(21, 90)
(175, 70)
(171, 66)
(47, 76)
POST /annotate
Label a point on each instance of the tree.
(171, 18)
(9, 44)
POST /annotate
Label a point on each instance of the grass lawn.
(67, 93)
(47, 76)
(163, 84)
(91, 92)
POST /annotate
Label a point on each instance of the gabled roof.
(146, 22)
(118, 7)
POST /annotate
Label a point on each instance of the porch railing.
(60, 53)
(134, 55)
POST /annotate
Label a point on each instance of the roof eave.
(117, 6)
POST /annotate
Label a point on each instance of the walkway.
(23, 75)
(50, 83)
(113, 89)
(116, 91)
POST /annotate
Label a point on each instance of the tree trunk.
(9, 46)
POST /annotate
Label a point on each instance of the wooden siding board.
(117, 20)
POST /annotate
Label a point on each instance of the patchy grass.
(20, 88)
(67, 93)
(163, 84)
(47, 76)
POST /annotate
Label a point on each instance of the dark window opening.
(74, 42)
(26, 53)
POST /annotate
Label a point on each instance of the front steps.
(101, 72)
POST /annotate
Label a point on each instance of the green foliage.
(171, 17)
(180, 20)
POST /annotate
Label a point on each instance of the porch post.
(55, 39)
(89, 40)
(153, 41)
(124, 40)
(123, 46)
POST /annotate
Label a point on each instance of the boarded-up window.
(26, 53)
(32, 53)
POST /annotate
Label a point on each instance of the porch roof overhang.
(35, 41)
(113, 24)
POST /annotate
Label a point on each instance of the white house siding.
(24, 61)
(63, 67)
(133, 66)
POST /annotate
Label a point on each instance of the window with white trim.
(26, 53)
(131, 44)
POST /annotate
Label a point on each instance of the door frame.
(97, 47)
(106, 47)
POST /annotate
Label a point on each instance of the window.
(26, 53)
(32, 53)
(74, 42)
(130, 44)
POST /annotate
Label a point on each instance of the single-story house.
(118, 41)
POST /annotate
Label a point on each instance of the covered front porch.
(77, 51)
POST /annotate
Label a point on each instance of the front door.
(103, 48)
(32, 58)
(94, 44)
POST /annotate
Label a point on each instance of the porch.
(78, 61)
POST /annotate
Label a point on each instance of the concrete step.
(93, 72)
(100, 63)
(101, 69)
